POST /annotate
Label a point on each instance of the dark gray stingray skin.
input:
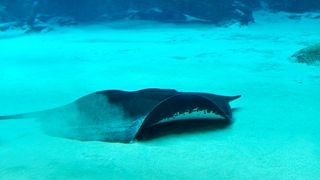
(118, 116)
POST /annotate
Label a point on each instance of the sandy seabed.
(275, 134)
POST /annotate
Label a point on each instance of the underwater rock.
(207, 11)
(308, 55)
(158, 14)
(62, 21)
(218, 12)
(297, 6)
(7, 26)
(37, 28)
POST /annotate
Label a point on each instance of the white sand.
(275, 134)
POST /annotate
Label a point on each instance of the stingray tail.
(16, 116)
(20, 116)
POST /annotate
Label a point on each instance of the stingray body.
(119, 116)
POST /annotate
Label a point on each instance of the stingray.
(119, 116)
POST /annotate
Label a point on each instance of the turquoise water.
(274, 131)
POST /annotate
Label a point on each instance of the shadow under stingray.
(182, 127)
